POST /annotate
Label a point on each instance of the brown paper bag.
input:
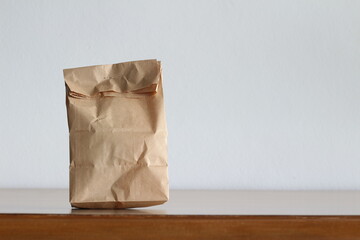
(118, 135)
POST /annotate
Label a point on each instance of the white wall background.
(259, 94)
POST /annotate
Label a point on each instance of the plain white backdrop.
(258, 94)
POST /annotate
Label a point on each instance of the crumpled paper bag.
(118, 135)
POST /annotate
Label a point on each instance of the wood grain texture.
(178, 227)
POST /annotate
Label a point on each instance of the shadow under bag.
(118, 135)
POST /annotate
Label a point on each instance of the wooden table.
(46, 214)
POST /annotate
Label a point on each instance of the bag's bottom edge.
(115, 205)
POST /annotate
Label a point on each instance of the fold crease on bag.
(118, 135)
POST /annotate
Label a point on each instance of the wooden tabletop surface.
(195, 202)
(190, 214)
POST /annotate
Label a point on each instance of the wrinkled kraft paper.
(118, 135)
